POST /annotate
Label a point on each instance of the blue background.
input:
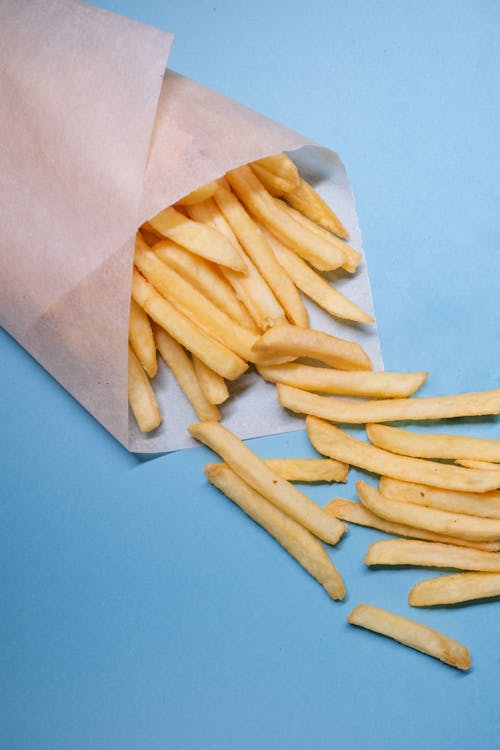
(141, 609)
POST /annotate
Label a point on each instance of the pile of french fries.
(216, 286)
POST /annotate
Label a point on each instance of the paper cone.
(98, 138)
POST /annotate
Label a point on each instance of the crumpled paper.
(96, 138)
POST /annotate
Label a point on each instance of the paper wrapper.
(97, 138)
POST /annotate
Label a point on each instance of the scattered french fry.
(250, 288)
(440, 521)
(431, 445)
(353, 512)
(433, 407)
(306, 200)
(178, 361)
(213, 386)
(141, 339)
(342, 383)
(264, 480)
(200, 194)
(412, 634)
(293, 341)
(193, 304)
(197, 237)
(141, 396)
(460, 587)
(334, 443)
(215, 355)
(309, 469)
(485, 504)
(261, 204)
(470, 463)
(204, 275)
(430, 554)
(258, 249)
(299, 542)
(315, 286)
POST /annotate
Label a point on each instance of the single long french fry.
(200, 194)
(141, 396)
(140, 336)
(197, 237)
(412, 634)
(206, 277)
(264, 480)
(193, 303)
(432, 445)
(430, 554)
(334, 443)
(484, 504)
(352, 257)
(351, 383)
(315, 286)
(470, 463)
(387, 410)
(280, 165)
(262, 205)
(250, 288)
(309, 469)
(259, 251)
(353, 512)
(440, 521)
(274, 184)
(293, 341)
(460, 587)
(213, 386)
(215, 355)
(306, 200)
(178, 361)
(299, 542)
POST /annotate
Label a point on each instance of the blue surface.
(141, 609)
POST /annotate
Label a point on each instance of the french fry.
(460, 587)
(353, 512)
(200, 194)
(387, 410)
(293, 341)
(205, 276)
(213, 386)
(430, 554)
(353, 383)
(334, 443)
(250, 288)
(264, 480)
(315, 286)
(141, 396)
(262, 205)
(484, 504)
(274, 184)
(470, 463)
(197, 237)
(215, 355)
(306, 200)
(180, 364)
(352, 257)
(429, 445)
(299, 542)
(412, 634)
(309, 469)
(193, 303)
(282, 166)
(257, 248)
(141, 339)
(440, 521)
